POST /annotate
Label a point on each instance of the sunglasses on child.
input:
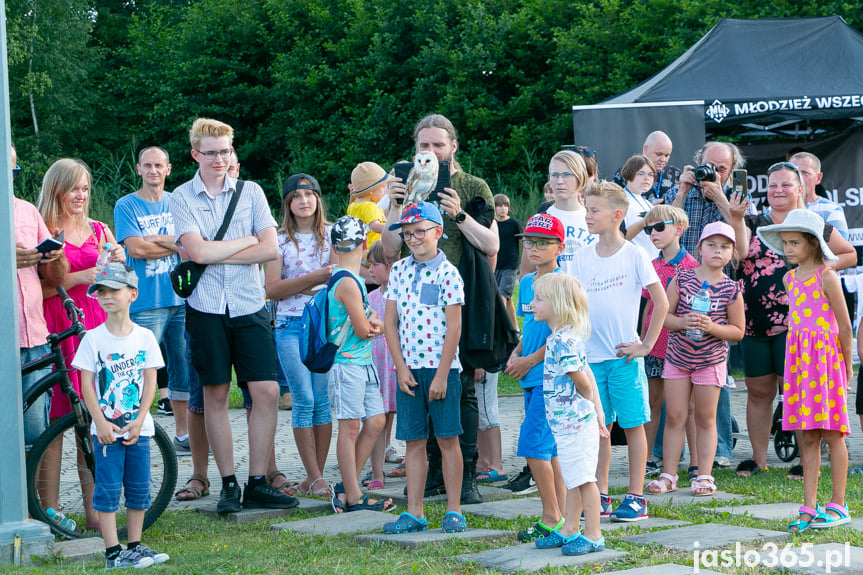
(659, 227)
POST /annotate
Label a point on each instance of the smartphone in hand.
(51, 244)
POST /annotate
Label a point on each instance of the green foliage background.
(320, 85)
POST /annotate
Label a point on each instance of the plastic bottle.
(700, 304)
(104, 256)
(61, 520)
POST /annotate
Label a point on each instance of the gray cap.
(114, 275)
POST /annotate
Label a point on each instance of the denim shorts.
(311, 404)
(486, 398)
(414, 412)
(623, 391)
(168, 324)
(36, 418)
(355, 391)
(123, 468)
(535, 439)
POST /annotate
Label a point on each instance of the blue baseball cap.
(419, 212)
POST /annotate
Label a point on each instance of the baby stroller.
(784, 442)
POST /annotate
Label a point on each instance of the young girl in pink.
(379, 269)
(817, 370)
(698, 367)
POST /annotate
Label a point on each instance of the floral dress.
(815, 380)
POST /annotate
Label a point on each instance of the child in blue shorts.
(613, 272)
(543, 242)
(422, 326)
(118, 362)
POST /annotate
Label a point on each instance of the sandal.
(800, 525)
(364, 504)
(491, 475)
(703, 486)
(825, 520)
(397, 471)
(692, 472)
(191, 493)
(375, 485)
(367, 478)
(322, 491)
(288, 487)
(658, 486)
(748, 468)
(392, 456)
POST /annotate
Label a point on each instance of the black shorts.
(219, 342)
(763, 355)
(860, 392)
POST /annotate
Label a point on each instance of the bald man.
(657, 146)
(810, 171)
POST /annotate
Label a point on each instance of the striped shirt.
(686, 353)
(234, 289)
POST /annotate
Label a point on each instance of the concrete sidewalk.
(511, 414)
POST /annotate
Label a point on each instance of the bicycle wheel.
(59, 478)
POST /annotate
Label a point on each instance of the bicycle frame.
(60, 375)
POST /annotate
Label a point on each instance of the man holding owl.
(436, 134)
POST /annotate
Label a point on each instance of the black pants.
(469, 424)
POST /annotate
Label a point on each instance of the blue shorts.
(122, 468)
(623, 391)
(414, 412)
(535, 439)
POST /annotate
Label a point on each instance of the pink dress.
(381, 356)
(815, 382)
(80, 258)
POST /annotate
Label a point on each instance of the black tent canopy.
(764, 74)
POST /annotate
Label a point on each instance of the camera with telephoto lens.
(704, 172)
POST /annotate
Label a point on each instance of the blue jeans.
(168, 324)
(196, 392)
(308, 390)
(123, 468)
(36, 418)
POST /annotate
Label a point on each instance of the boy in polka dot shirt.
(422, 326)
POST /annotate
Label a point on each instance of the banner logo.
(717, 111)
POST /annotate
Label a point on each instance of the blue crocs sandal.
(554, 539)
(406, 523)
(826, 521)
(800, 525)
(453, 522)
(582, 546)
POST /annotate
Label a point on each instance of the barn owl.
(422, 179)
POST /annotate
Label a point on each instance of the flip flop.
(397, 471)
(491, 475)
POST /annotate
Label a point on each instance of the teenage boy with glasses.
(226, 318)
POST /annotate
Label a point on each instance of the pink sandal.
(703, 484)
(375, 485)
(658, 486)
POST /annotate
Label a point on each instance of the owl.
(422, 178)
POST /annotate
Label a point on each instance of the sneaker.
(604, 506)
(522, 483)
(182, 447)
(722, 461)
(857, 470)
(229, 499)
(154, 555)
(632, 508)
(651, 469)
(128, 558)
(164, 407)
(265, 496)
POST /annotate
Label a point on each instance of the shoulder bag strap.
(230, 213)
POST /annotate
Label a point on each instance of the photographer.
(705, 201)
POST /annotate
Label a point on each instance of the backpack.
(316, 352)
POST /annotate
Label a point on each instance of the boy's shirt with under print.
(422, 290)
(565, 408)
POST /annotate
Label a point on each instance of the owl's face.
(425, 162)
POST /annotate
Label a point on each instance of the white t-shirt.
(577, 235)
(613, 285)
(637, 205)
(119, 364)
(299, 260)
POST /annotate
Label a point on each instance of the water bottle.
(104, 256)
(700, 304)
(61, 520)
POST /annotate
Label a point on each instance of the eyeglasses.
(564, 175)
(538, 244)
(15, 171)
(651, 175)
(585, 151)
(786, 166)
(210, 155)
(418, 234)
(659, 227)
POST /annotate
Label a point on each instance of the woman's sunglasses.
(659, 227)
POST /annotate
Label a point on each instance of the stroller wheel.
(785, 444)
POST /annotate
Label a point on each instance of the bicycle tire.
(71, 489)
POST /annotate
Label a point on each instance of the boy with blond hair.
(613, 272)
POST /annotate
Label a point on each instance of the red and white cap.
(544, 226)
